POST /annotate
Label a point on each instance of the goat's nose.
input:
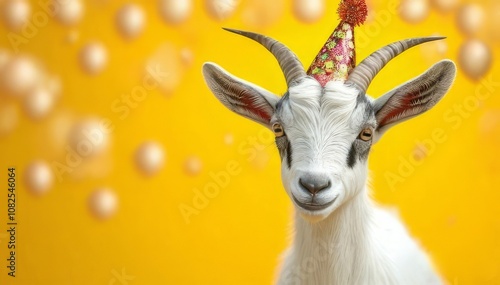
(314, 184)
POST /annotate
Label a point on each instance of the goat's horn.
(290, 65)
(363, 74)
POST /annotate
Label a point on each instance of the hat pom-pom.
(353, 12)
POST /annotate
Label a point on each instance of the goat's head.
(324, 133)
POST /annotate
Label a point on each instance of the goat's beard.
(313, 219)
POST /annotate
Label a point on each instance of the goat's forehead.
(336, 101)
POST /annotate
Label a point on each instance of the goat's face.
(324, 134)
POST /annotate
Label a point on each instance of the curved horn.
(364, 73)
(290, 65)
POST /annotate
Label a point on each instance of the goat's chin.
(314, 217)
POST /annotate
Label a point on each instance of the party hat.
(338, 57)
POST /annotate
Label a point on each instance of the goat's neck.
(346, 229)
(342, 245)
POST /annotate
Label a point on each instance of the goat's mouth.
(313, 206)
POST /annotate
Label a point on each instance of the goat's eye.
(278, 130)
(366, 134)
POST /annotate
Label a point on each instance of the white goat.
(324, 136)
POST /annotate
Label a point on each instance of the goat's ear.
(414, 97)
(240, 96)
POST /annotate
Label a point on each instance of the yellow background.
(450, 202)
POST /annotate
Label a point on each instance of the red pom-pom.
(353, 12)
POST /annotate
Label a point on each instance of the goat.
(324, 133)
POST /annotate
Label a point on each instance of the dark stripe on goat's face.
(285, 149)
(351, 157)
(283, 143)
(289, 154)
(359, 151)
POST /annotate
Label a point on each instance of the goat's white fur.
(356, 244)
(351, 242)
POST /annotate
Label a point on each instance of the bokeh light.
(15, 13)
(308, 11)
(130, 20)
(20, 75)
(221, 9)
(93, 58)
(445, 6)
(193, 165)
(39, 177)
(262, 13)
(150, 158)
(69, 12)
(175, 11)
(475, 58)
(103, 203)
(414, 11)
(39, 102)
(471, 19)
